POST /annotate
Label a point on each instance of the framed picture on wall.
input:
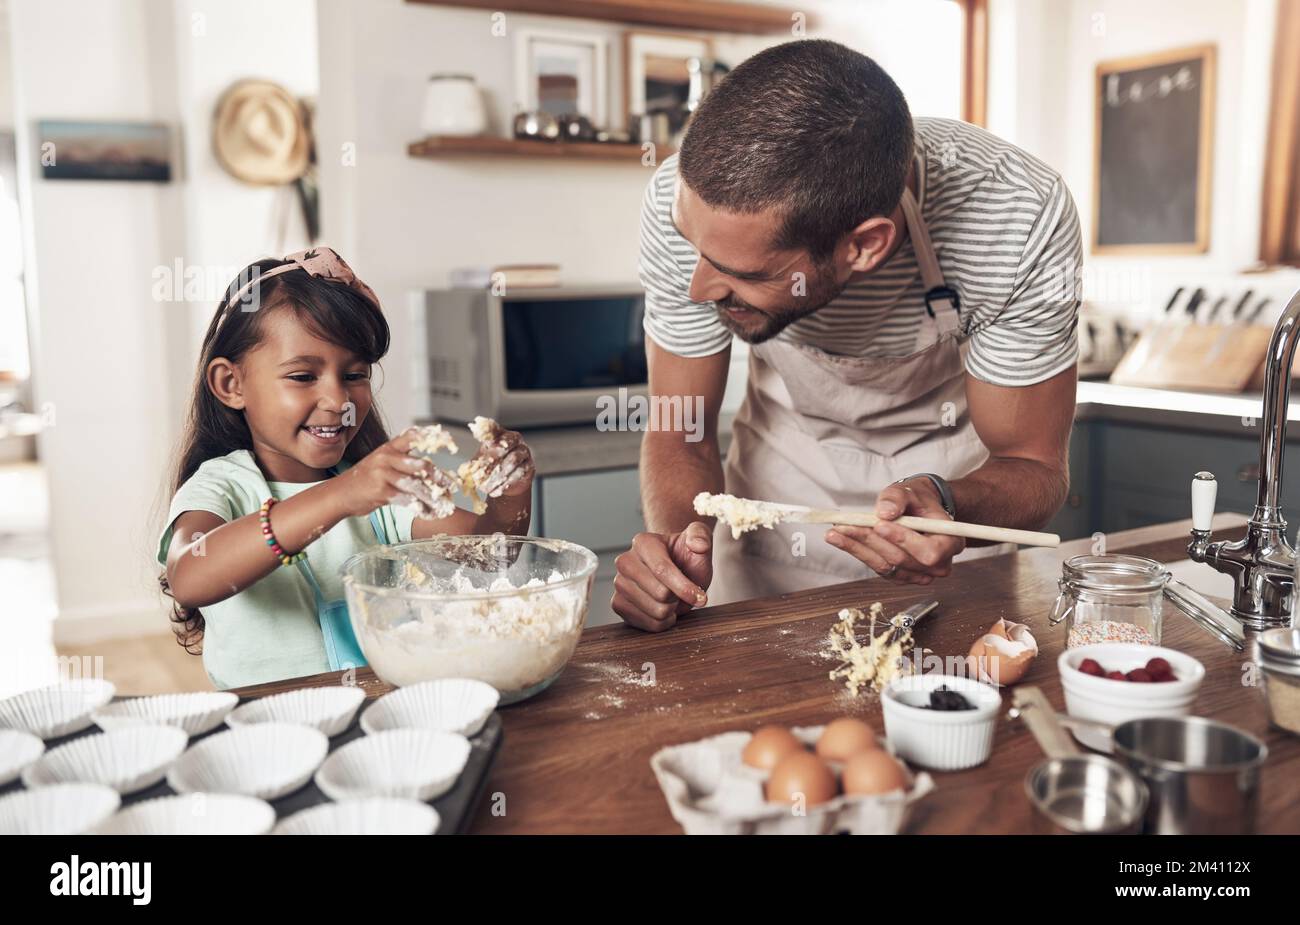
(562, 73)
(104, 150)
(1153, 141)
(657, 79)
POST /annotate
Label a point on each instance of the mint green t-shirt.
(270, 631)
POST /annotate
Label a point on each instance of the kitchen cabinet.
(1075, 518)
(600, 510)
(1124, 476)
(1144, 474)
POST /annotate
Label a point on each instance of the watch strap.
(941, 486)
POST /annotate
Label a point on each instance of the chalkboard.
(1154, 130)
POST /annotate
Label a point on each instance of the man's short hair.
(812, 128)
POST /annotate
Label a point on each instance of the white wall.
(1028, 76)
(1043, 56)
(228, 223)
(404, 222)
(114, 362)
(100, 340)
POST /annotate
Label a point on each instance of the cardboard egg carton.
(710, 791)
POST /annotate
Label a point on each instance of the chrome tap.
(1263, 563)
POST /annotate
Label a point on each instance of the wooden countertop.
(576, 759)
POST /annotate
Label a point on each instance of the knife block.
(1257, 380)
(1200, 357)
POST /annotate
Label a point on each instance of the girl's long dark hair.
(331, 311)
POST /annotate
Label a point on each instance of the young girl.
(285, 462)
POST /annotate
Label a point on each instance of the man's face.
(758, 290)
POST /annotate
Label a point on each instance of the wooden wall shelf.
(446, 146)
(707, 15)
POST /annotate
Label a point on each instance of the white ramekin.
(1113, 702)
(942, 740)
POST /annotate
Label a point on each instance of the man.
(906, 289)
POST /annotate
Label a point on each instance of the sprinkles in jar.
(1111, 598)
(1085, 634)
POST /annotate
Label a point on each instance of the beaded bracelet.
(264, 517)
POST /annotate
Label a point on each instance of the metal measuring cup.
(1073, 793)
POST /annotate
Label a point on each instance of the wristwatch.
(941, 486)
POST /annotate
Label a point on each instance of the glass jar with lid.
(1110, 598)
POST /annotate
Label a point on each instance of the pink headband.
(320, 262)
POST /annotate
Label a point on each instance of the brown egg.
(768, 745)
(1003, 655)
(845, 737)
(874, 771)
(801, 776)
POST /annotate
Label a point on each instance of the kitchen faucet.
(1263, 563)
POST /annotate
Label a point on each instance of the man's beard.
(761, 325)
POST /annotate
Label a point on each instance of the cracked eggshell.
(1002, 656)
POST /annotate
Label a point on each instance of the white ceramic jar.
(453, 105)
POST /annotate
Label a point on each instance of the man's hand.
(896, 552)
(663, 576)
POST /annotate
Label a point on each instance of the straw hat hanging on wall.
(260, 134)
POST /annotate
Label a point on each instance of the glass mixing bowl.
(507, 610)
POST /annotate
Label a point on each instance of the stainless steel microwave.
(532, 357)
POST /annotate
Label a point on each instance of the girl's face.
(304, 398)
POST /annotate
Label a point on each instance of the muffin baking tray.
(455, 807)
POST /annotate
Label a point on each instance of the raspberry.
(1159, 666)
(1117, 676)
(1090, 666)
(1140, 675)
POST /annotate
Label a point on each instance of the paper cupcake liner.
(267, 761)
(126, 759)
(418, 764)
(196, 712)
(63, 809)
(371, 816)
(18, 749)
(458, 705)
(193, 814)
(58, 710)
(327, 709)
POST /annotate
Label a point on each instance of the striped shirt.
(1007, 238)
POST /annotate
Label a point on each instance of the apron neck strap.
(376, 524)
(316, 592)
(941, 301)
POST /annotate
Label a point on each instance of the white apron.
(831, 432)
